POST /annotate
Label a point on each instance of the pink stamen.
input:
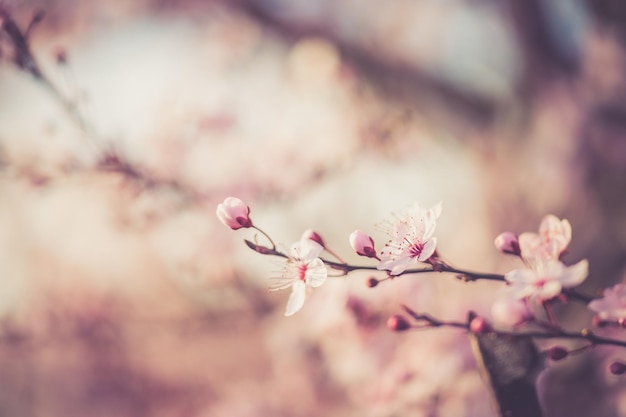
(302, 272)
(416, 250)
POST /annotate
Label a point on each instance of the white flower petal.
(306, 249)
(567, 230)
(430, 220)
(575, 274)
(520, 290)
(395, 265)
(549, 290)
(436, 209)
(296, 298)
(316, 273)
(529, 244)
(521, 276)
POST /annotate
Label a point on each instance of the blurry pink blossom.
(551, 241)
(234, 213)
(363, 244)
(411, 239)
(314, 236)
(545, 279)
(510, 312)
(612, 305)
(302, 269)
(507, 242)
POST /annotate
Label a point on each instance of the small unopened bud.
(234, 213)
(617, 368)
(372, 282)
(398, 323)
(479, 325)
(314, 236)
(507, 242)
(362, 244)
(556, 353)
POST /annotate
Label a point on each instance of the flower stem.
(266, 236)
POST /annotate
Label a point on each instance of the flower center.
(416, 250)
(302, 272)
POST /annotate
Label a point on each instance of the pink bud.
(556, 353)
(398, 323)
(617, 368)
(234, 213)
(507, 242)
(479, 325)
(510, 312)
(314, 236)
(372, 282)
(362, 244)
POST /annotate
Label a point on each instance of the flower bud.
(510, 312)
(314, 236)
(617, 368)
(479, 325)
(398, 323)
(507, 242)
(372, 282)
(556, 353)
(362, 244)
(234, 213)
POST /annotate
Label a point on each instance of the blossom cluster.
(527, 297)
(410, 242)
(543, 276)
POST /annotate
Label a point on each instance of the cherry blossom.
(411, 239)
(545, 279)
(551, 241)
(234, 213)
(612, 305)
(302, 269)
(363, 244)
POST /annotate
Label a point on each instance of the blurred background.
(124, 123)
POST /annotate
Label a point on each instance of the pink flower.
(545, 279)
(510, 312)
(551, 241)
(507, 242)
(302, 269)
(363, 244)
(411, 239)
(612, 305)
(234, 213)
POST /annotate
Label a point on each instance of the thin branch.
(25, 60)
(346, 268)
(426, 320)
